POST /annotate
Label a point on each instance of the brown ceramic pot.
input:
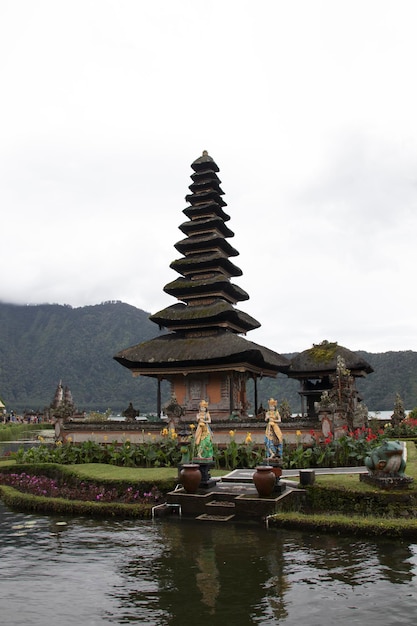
(277, 470)
(190, 477)
(264, 480)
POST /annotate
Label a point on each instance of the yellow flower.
(164, 432)
(40, 438)
(248, 438)
(172, 433)
(58, 443)
(232, 433)
(192, 426)
(105, 437)
(298, 433)
(69, 439)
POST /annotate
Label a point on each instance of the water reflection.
(176, 572)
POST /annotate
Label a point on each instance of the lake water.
(174, 573)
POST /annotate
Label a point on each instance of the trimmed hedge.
(338, 524)
(323, 498)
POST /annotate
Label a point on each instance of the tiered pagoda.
(203, 355)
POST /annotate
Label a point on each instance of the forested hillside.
(41, 345)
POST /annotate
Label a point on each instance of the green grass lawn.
(102, 471)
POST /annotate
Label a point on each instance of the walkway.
(245, 475)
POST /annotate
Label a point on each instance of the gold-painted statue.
(273, 434)
(203, 435)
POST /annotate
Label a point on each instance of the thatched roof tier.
(217, 285)
(203, 183)
(210, 225)
(206, 175)
(205, 210)
(215, 315)
(321, 359)
(206, 242)
(203, 263)
(205, 195)
(220, 351)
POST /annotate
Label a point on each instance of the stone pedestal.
(205, 467)
(386, 481)
(307, 477)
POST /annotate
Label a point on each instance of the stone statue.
(130, 413)
(203, 437)
(387, 459)
(386, 465)
(273, 434)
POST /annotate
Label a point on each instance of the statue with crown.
(203, 438)
(273, 434)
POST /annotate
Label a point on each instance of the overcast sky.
(309, 109)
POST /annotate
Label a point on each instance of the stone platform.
(232, 498)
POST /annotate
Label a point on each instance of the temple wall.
(225, 393)
(179, 388)
(108, 432)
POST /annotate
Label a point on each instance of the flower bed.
(46, 486)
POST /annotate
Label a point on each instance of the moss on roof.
(323, 352)
(322, 357)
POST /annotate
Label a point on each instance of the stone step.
(220, 507)
(206, 517)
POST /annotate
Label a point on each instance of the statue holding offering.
(203, 435)
(273, 434)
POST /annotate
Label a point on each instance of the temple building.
(327, 374)
(203, 354)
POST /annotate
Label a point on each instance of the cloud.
(308, 109)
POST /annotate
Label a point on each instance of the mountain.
(43, 344)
